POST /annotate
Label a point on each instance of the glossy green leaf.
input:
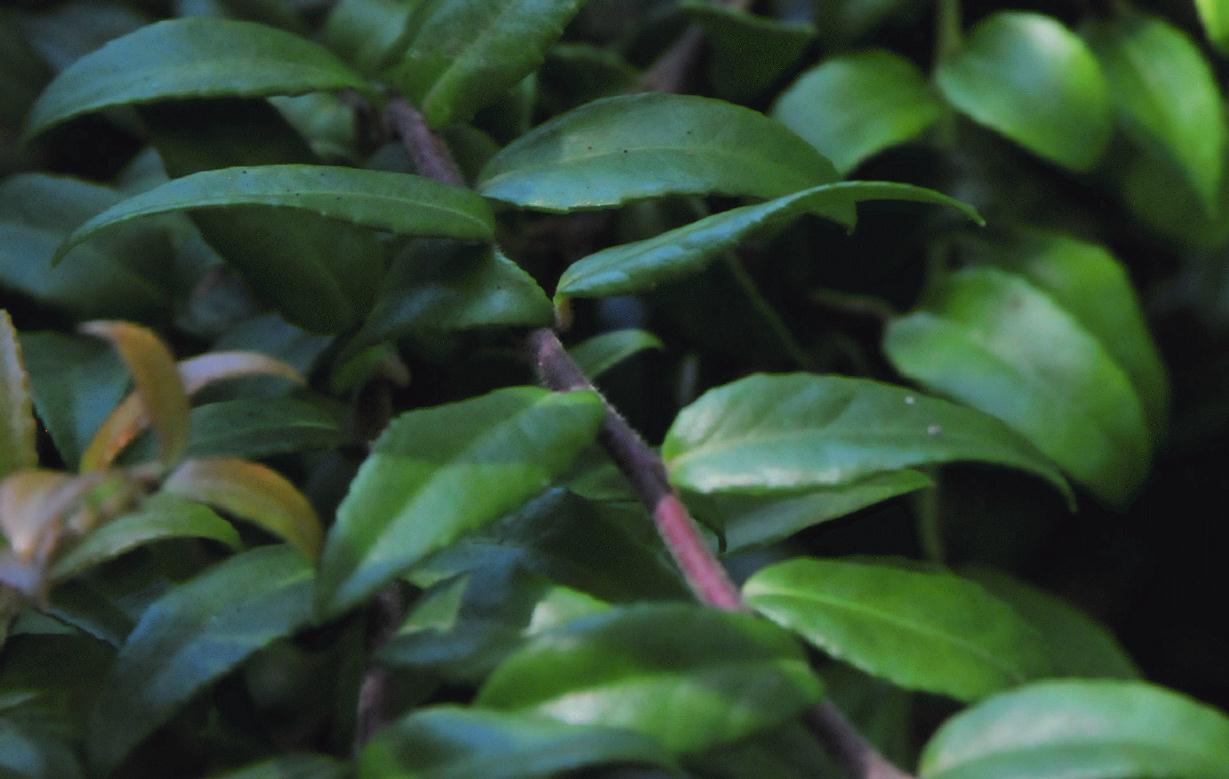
(1166, 95)
(193, 635)
(450, 742)
(304, 765)
(159, 517)
(1028, 77)
(996, 342)
(854, 106)
(791, 432)
(632, 147)
(17, 429)
(1081, 728)
(600, 353)
(228, 59)
(437, 473)
(634, 267)
(725, 675)
(369, 33)
(748, 52)
(1078, 645)
(922, 630)
(398, 202)
(464, 54)
(1215, 17)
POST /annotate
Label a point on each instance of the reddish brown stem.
(426, 149)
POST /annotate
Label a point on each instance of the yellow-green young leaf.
(1215, 17)
(164, 402)
(1028, 77)
(854, 106)
(463, 54)
(227, 59)
(253, 492)
(633, 147)
(923, 630)
(995, 341)
(725, 675)
(1081, 728)
(749, 52)
(17, 428)
(30, 511)
(602, 352)
(1165, 94)
(399, 202)
(160, 517)
(450, 742)
(436, 473)
(194, 634)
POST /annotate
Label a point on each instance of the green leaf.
(749, 52)
(256, 428)
(464, 54)
(725, 675)
(996, 342)
(1165, 94)
(298, 766)
(635, 267)
(369, 33)
(1028, 77)
(922, 630)
(190, 637)
(18, 432)
(1081, 728)
(854, 106)
(159, 517)
(398, 202)
(29, 752)
(792, 432)
(450, 742)
(435, 286)
(1215, 17)
(619, 149)
(190, 58)
(1078, 645)
(436, 473)
(602, 352)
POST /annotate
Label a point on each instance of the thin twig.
(427, 150)
(670, 71)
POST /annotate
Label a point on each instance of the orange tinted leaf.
(17, 429)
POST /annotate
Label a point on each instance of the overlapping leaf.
(17, 429)
(602, 352)
(749, 52)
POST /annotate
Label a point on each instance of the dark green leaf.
(724, 675)
(618, 149)
(792, 432)
(299, 766)
(191, 636)
(28, 752)
(228, 59)
(447, 742)
(159, 517)
(68, 31)
(1082, 728)
(749, 52)
(437, 473)
(1166, 95)
(854, 106)
(463, 54)
(1028, 77)
(17, 428)
(399, 202)
(923, 630)
(687, 250)
(790, 751)
(256, 428)
(602, 352)
(368, 32)
(993, 340)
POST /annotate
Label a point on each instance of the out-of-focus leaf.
(789, 751)
(30, 753)
(1078, 645)
(1215, 17)
(998, 343)
(298, 766)
(164, 402)
(1166, 95)
(191, 636)
(160, 517)
(68, 31)
(17, 428)
(577, 73)
(923, 630)
(368, 32)
(1081, 728)
(229, 59)
(725, 675)
(252, 492)
(463, 54)
(602, 352)
(450, 742)
(632, 147)
(437, 473)
(854, 106)
(749, 52)
(1028, 77)
(634, 267)
(792, 432)
(398, 202)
